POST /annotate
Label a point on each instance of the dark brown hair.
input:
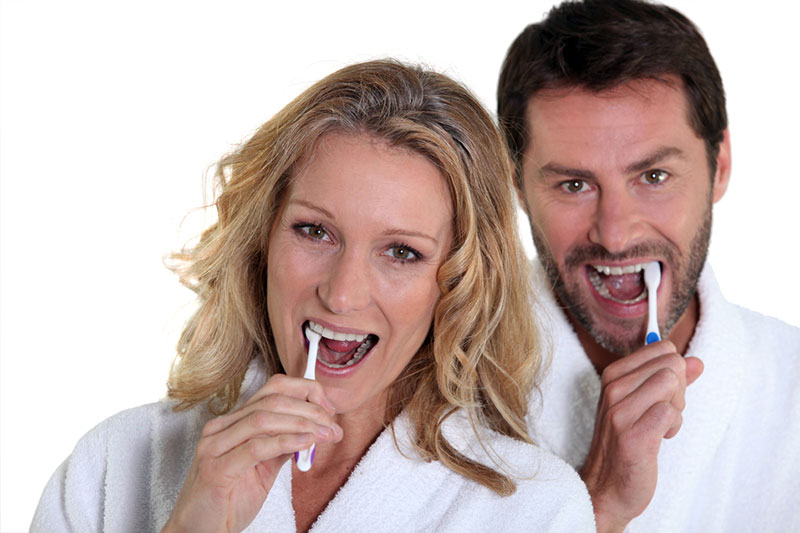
(600, 44)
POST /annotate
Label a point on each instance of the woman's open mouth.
(341, 350)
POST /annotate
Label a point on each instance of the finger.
(619, 389)
(661, 420)
(659, 387)
(273, 403)
(300, 388)
(636, 359)
(275, 450)
(262, 424)
(694, 368)
(306, 391)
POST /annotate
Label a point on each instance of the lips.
(338, 350)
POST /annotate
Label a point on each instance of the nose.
(345, 287)
(618, 222)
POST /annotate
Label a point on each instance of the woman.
(375, 209)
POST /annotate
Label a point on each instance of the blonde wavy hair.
(481, 354)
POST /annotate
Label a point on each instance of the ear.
(723, 174)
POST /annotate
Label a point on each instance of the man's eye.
(573, 185)
(655, 177)
(403, 253)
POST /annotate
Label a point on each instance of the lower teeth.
(361, 351)
(598, 284)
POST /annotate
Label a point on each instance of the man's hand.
(641, 403)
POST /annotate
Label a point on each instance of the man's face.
(612, 181)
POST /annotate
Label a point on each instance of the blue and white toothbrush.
(305, 458)
(652, 278)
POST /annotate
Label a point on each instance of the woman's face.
(356, 251)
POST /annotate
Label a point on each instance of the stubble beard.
(686, 273)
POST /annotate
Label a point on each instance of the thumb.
(694, 367)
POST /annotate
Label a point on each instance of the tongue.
(624, 287)
(338, 352)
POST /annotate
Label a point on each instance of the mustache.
(584, 253)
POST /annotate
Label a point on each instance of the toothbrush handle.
(652, 322)
(305, 458)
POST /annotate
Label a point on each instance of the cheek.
(678, 221)
(289, 281)
(413, 312)
(560, 227)
(276, 306)
(291, 270)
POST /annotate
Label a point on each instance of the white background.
(111, 113)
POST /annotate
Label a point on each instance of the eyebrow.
(554, 169)
(641, 165)
(654, 158)
(409, 233)
(314, 207)
(389, 232)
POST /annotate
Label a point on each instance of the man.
(615, 114)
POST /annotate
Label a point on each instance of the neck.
(680, 335)
(360, 430)
(337, 460)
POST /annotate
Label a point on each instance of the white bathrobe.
(735, 464)
(126, 473)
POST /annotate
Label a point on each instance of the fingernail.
(325, 431)
(338, 430)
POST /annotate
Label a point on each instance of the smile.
(620, 284)
(341, 350)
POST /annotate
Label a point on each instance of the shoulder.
(753, 357)
(768, 330)
(549, 495)
(126, 472)
(767, 344)
(726, 324)
(133, 433)
(549, 490)
(108, 475)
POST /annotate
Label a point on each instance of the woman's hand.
(240, 454)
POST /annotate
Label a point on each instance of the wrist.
(172, 527)
(608, 522)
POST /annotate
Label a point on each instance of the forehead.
(340, 155)
(380, 181)
(610, 124)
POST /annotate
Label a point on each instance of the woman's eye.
(655, 177)
(573, 185)
(314, 231)
(403, 253)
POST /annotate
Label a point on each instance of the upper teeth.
(618, 271)
(335, 335)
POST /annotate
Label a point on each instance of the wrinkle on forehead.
(619, 126)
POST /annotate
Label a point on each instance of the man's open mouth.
(340, 350)
(623, 285)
